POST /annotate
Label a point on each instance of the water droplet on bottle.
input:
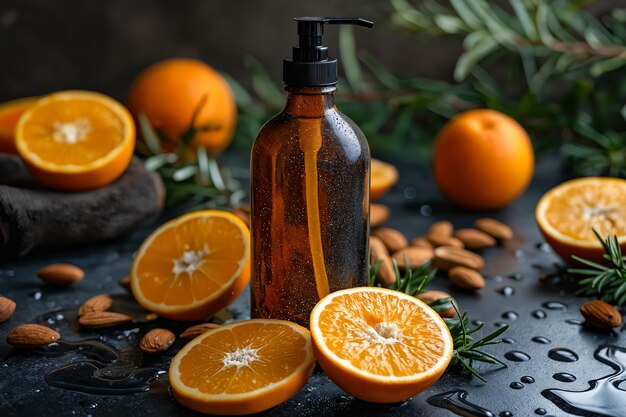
(516, 276)
(516, 385)
(562, 355)
(575, 322)
(539, 314)
(527, 379)
(507, 291)
(508, 340)
(517, 356)
(541, 411)
(509, 315)
(541, 340)
(554, 305)
(564, 377)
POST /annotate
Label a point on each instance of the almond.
(7, 308)
(474, 239)
(494, 228)
(100, 302)
(156, 341)
(32, 335)
(379, 213)
(445, 241)
(447, 257)
(195, 331)
(434, 295)
(125, 283)
(61, 274)
(392, 238)
(421, 242)
(466, 278)
(416, 257)
(378, 252)
(601, 314)
(101, 319)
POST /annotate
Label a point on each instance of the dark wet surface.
(62, 379)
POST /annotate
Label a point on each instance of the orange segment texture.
(243, 367)
(380, 345)
(192, 266)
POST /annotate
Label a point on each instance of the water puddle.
(456, 401)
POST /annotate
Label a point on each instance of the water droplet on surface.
(494, 278)
(517, 356)
(564, 377)
(562, 355)
(499, 324)
(507, 291)
(575, 322)
(519, 253)
(506, 414)
(543, 247)
(527, 379)
(541, 340)
(539, 314)
(477, 322)
(516, 276)
(456, 401)
(508, 340)
(37, 295)
(554, 305)
(541, 411)
(516, 385)
(410, 192)
(509, 315)
(426, 210)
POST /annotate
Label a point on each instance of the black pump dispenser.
(310, 65)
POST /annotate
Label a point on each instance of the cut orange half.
(193, 266)
(380, 345)
(76, 140)
(242, 368)
(10, 113)
(383, 176)
(567, 214)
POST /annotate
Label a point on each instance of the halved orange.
(10, 113)
(193, 266)
(380, 345)
(383, 176)
(567, 214)
(76, 140)
(242, 368)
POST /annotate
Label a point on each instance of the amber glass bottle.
(309, 196)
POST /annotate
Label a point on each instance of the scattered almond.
(392, 239)
(32, 335)
(494, 228)
(447, 257)
(61, 274)
(446, 241)
(379, 214)
(125, 283)
(466, 278)
(434, 295)
(195, 331)
(378, 252)
(101, 302)
(7, 308)
(601, 315)
(156, 341)
(421, 242)
(101, 319)
(440, 234)
(415, 256)
(474, 239)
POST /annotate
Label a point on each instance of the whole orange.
(169, 92)
(483, 159)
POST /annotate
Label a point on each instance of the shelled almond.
(421, 242)
(7, 308)
(379, 214)
(447, 257)
(100, 302)
(435, 295)
(32, 335)
(61, 274)
(415, 257)
(102, 319)
(195, 331)
(466, 278)
(494, 228)
(440, 234)
(156, 341)
(393, 239)
(474, 239)
(378, 252)
(601, 314)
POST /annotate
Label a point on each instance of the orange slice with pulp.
(193, 266)
(243, 367)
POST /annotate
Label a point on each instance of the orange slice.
(76, 140)
(383, 176)
(242, 368)
(10, 113)
(193, 266)
(567, 214)
(380, 345)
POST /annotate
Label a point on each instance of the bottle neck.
(309, 101)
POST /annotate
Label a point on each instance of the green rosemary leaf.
(491, 336)
(149, 135)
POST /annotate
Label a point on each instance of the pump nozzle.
(310, 65)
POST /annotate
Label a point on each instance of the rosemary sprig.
(467, 350)
(608, 281)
